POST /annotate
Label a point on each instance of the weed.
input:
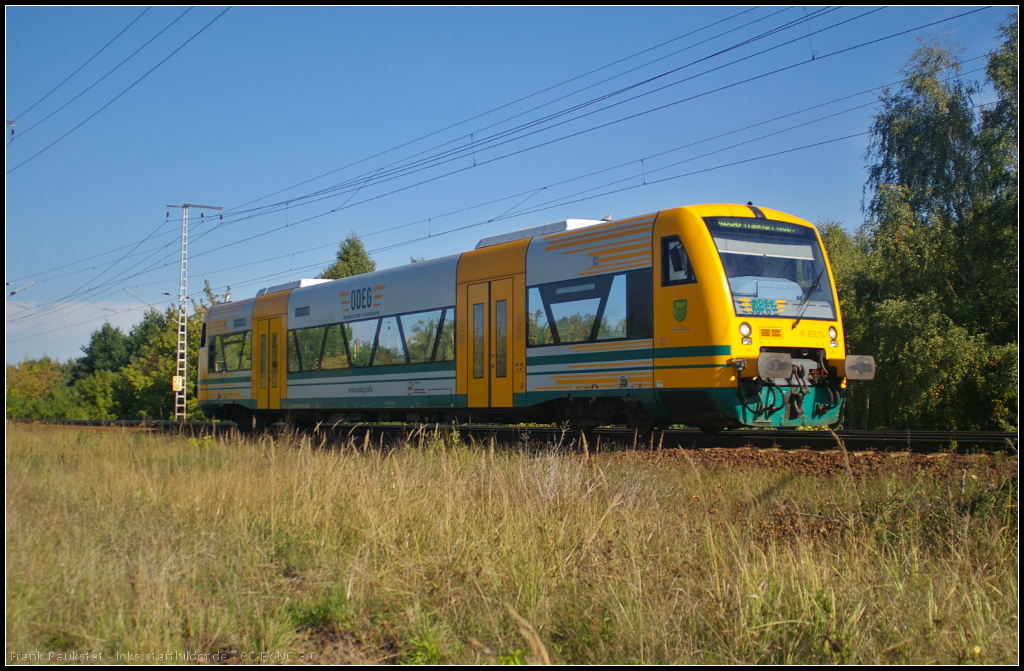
(516, 658)
(435, 550)
(324, 615)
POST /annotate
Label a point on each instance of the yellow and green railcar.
(708, 315)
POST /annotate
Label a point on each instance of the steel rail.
(888, 441)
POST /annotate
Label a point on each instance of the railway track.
(619, 438)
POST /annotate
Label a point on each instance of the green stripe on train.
(409, 369)
(420, 402)
(629, 354)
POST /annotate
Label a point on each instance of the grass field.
(135, 547)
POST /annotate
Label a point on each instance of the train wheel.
(642, 425)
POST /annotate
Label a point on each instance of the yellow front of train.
(747, 325)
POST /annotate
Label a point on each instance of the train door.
(269, 363)
(490, 344)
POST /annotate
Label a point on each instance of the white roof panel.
(555, 227)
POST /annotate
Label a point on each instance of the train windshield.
(775, 269)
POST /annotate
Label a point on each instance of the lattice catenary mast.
(179, 382)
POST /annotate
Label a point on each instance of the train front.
(748, 296)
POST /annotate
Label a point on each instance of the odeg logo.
(360, 298)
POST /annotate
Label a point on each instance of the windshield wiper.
(807, 299)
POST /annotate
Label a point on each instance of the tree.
(96, 394)
(107, 350)
(943, 181)
(925, 136)
(143, 390)
(120, 377)
(212, 298)
(352, 260)
(932, 274)
(38, 389)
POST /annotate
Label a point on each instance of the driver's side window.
(675, 263)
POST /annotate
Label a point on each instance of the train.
(712, 316)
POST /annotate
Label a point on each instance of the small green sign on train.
(679, 310)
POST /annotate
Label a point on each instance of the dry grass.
(125, 543)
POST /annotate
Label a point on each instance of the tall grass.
(438, 551)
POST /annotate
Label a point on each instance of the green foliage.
(324, 615)
(352, 260)
(517, 658)
(999, 122)
(96, 394)
(848, 258)
(107, 351)
(410, 554)
(936, 373)
(425, 644)
(929, 283)
(144, 387)
(120, 377)
(38, 389)
(925, 137)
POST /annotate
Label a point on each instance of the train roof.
(537, 231)
(297, 284)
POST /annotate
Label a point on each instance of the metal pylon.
(179, 384)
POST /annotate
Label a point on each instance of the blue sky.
(420, 129)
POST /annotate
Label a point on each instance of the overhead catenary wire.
(498, 108)
(484, 162)
(686, 99)
(473, 146)
(599, 171)
(68, 78)
(492, 219)
(541, 91)
(363, 182)
(529, 193)
(62, 271)
(456, 171)
(407, 242)
(109, 72)
(115, 98)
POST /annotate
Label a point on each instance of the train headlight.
(745, 331)
(832, 333)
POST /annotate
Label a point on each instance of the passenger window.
(537, 319)
(574, 320)
(575, 308)
(446, 345)
(390, 350)
(334, 348)
(603, 307)
(360, 336)
(675, 263)
(229, 353)
(294, 362)
(421, 334)
(307, 347)
(613, 321)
